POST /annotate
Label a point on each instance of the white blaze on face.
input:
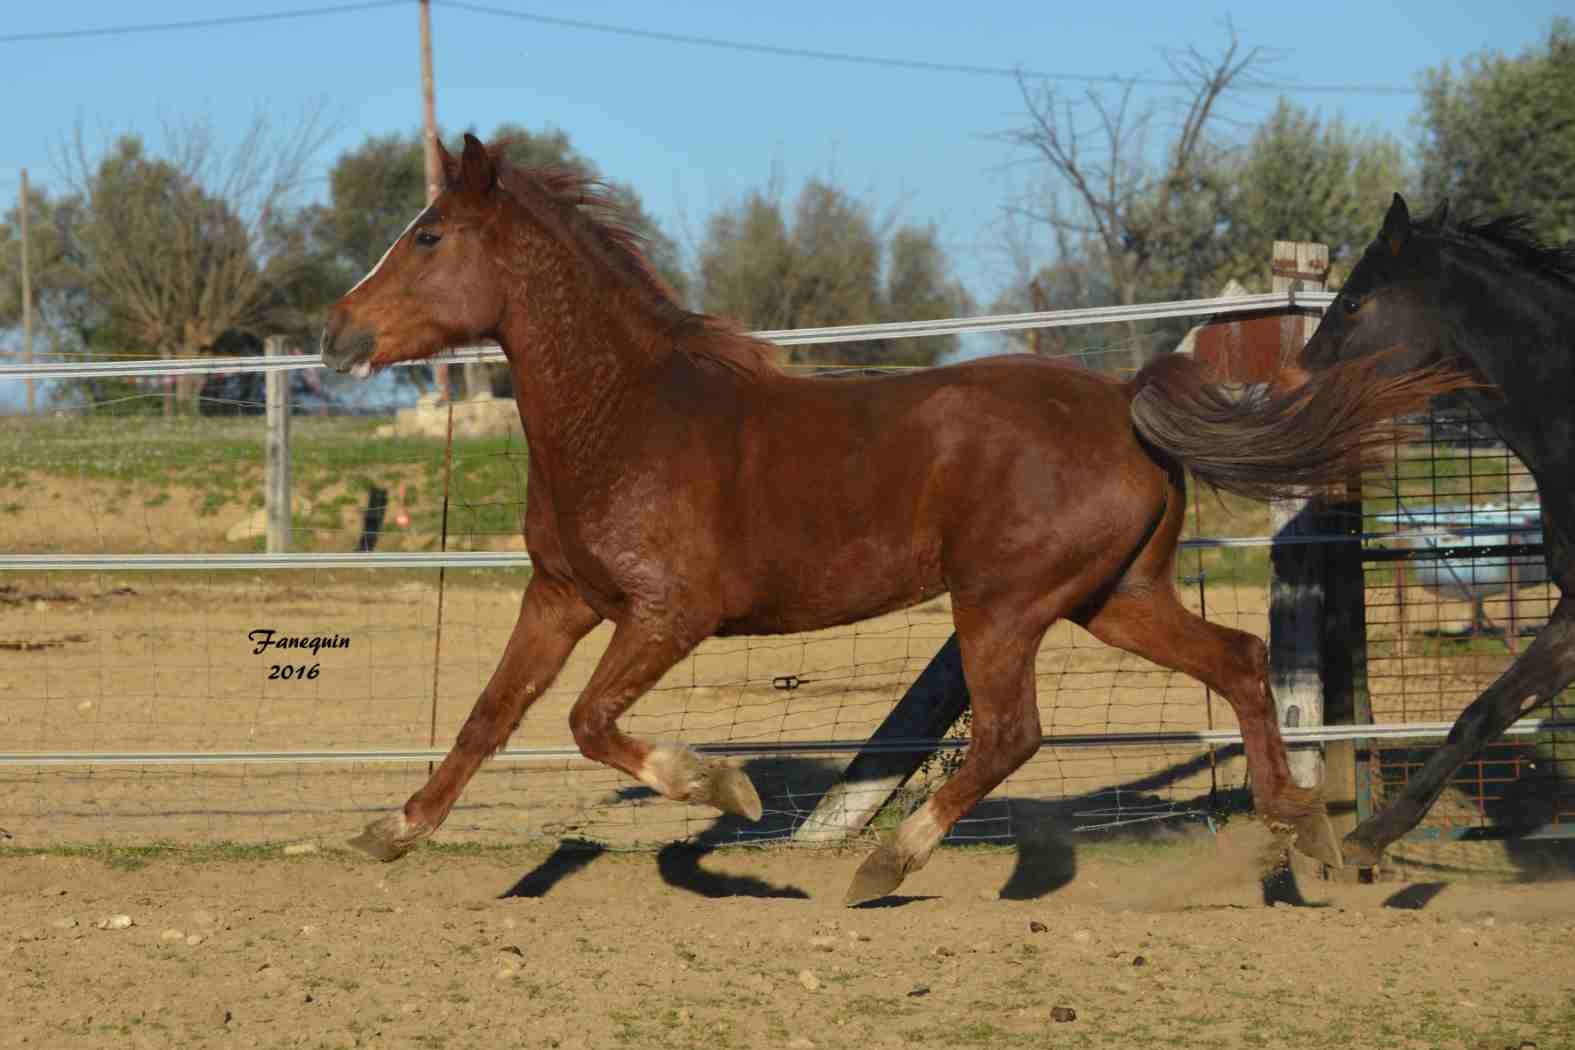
(391, 248)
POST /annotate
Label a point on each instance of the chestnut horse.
(1490, 299)
(681, 487)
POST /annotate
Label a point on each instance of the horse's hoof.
(1359, 853)
(880, 874)
(388, 838)
(1315, 838)
(731, 791)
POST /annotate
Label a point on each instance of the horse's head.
(437, 285)
(1389, 305)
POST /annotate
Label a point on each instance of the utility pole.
(27, 298)
(430, 140)
(429, 106)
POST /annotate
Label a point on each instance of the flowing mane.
(1509, 234)
(582, 210)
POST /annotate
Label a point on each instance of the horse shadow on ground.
(781, 782)
(1045, 833)
(1522, 802)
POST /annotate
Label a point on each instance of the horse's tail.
(1341, 421)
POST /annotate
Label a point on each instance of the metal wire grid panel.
(1448, 607)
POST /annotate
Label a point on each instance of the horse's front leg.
(637, 657)
(553, 618)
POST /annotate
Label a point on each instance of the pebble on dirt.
(116, 922)
(1062, 1013)
(1038, 927)
(808, 979)
(918, 990)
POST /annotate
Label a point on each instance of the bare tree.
(182, 247)
(1139, 218)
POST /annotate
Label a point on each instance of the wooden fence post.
(1296, 587)
(276, 484)
(1344, 654)
(1317, 604)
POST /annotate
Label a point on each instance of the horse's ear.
(1397, 226)
(447, 163)
(476, 171)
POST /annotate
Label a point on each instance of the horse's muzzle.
(346, 346)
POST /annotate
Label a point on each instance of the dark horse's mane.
(585, 212)
(1510, 234)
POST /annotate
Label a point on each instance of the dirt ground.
(1137, 944)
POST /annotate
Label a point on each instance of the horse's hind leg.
(552, 619)
(635, 660)
(1541, 673)
(998, 652)
(1145, 617)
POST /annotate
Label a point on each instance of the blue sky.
(693, 128)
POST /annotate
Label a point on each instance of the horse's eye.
(1350, 305)
(427, 238)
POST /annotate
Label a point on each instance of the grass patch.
(220, 461)
(133, 858)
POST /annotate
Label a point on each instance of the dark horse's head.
(436, 287)
(1389, 303)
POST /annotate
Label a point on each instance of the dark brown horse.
(1488, 298)
(681, 487)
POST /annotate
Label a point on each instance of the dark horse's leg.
(636, 658)
(1147, 619)
(553, 618)
(1543, 670)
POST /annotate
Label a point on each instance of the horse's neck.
(1519, 329)
(577, 367)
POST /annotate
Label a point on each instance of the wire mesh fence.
(1456, 586)
(119, 661)
(116, 660)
